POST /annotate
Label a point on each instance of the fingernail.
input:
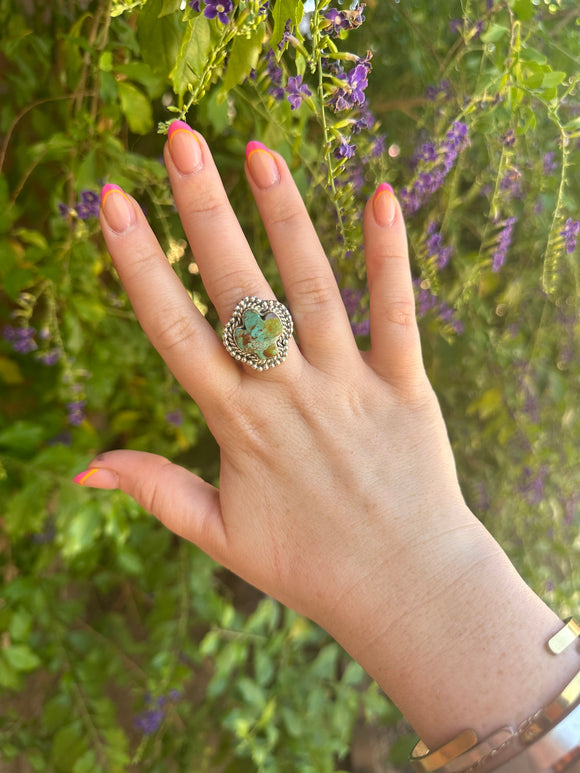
(97, 477)
(184, 147)
(262, 165)
(384, 205)
(117, 208)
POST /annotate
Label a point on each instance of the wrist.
(456, 640)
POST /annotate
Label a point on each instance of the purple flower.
(443, 89)
(352, 93)
(428, 152)
(148, 722)
(436, 251)
(49, 358)
(90, 198)
(532, 484)
(286, 35)
(296, 91)
(63, 210)
(570, 234)
(549, 164)
(358, 81)
(503, 243)
(365, 122)
(379, 146)
(344, 20)
(21, 339)
(195, 4)
(174, 417)
(428, 302)
(455, 26)
(344, 150)
(219, 8)
(509, 138)
(76, 412)
(431, 178)
(338, 21)
(275, 75)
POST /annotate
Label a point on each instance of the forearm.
(468, 653)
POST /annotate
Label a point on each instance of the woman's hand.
(333, 463)
(338, 493)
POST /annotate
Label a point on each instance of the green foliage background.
(105, 618)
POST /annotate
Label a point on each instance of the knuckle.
(151, 492)
(285, 215)
(401, 313)
(229, 287)
(313, 291)
(207, 203)
(174, 329)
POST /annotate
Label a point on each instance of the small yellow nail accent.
(82, 480)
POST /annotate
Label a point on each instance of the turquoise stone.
(258, 335)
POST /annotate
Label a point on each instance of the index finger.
(170, 319)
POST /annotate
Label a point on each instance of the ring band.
(258, 333)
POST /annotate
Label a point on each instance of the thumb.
(184, 502)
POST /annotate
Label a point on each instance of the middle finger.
(227, 266)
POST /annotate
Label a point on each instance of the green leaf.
(8, 676)
(573, 125)
(143, 74)
(21, 657)
(170, 6)
(524, 9)
(243, 57)
(68, 746)
(529, 54)
(20, 625)
(136, 108)
(553, 78)
(21, 437)
(281, 12)
(193, 55)
(159, 37)
(494, 33)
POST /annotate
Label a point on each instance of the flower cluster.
(149, 721)
(503, 243)
(21, 339)
(76, 412)
(442, 89)
(428, 302)
(275, 75)
(435, 163)
(86, 207)
(352, 93)
(436, 251)
(214, 8)
(296, 91)
(549, 163)
(570, 233)
(357, 311)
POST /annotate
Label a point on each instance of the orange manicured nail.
(262, 165)
(117, 208)
(184, 147)
(97, 477)
(384, 205)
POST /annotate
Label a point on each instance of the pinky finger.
(396, 346)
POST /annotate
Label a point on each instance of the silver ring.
(258, 333)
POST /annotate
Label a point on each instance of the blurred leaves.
(107, 621)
